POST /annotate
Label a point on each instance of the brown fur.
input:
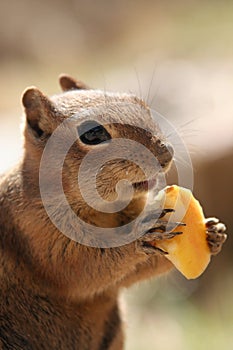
(56, 293)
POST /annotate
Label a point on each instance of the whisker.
(182, 130)
(181, 161)
(139, 83)
(155, 95)
(194, 150)
(150, 85)
(188, 122)
(105, 88)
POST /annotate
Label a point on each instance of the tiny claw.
(165, 211)
(154, 235)
(150, 249)
(170, 226)
(163, 252)
(174, 234)
(181, 223)
(167, 226)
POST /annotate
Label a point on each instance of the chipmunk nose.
(164, 152)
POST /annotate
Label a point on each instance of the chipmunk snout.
(164, 152)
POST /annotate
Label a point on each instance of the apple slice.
(189, 252)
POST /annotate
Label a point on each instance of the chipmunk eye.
(93, 133)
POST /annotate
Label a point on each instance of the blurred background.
(178, 56)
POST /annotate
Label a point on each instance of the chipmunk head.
(112, 134)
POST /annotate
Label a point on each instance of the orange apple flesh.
(189, 252)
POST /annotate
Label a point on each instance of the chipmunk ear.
(68, 83)
(39, 111)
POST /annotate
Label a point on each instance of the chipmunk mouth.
(146, 185)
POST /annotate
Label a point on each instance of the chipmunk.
(57, 293)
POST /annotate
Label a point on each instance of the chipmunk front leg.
(156, 263)
(157, 229)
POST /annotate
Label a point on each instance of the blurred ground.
(178, 56)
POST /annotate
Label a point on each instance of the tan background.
(177, 55)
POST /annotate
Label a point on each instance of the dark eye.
(93, 133)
